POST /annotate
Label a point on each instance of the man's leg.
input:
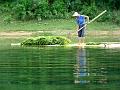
(83, 36)
(81, 40)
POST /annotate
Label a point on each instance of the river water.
(59, 68)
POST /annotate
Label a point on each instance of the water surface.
(59, 68)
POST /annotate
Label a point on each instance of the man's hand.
(86, 22)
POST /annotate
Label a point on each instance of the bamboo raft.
(110, 45)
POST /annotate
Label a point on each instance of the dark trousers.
(82, 31)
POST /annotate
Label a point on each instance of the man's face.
(76, 16)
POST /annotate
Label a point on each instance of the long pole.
(94, 19)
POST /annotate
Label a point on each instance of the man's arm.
(87, 18)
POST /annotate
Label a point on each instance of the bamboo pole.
(93, 19)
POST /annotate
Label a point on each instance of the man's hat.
(76, 14)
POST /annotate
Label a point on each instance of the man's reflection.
(89, 72)
(81, 69)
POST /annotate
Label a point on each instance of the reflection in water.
(81, 67)
(52, 68)
(87, 71)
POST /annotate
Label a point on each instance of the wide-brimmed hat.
(76, 14)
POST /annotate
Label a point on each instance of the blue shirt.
(80, 20)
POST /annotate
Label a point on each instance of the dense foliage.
(47, 9)
(46, 40)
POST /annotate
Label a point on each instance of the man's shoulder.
(83, 15)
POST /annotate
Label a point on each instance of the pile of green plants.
(46, 40)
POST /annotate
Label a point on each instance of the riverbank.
(96, 31)
(54, 25)
(91, 36)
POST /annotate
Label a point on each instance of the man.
(81, 21)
